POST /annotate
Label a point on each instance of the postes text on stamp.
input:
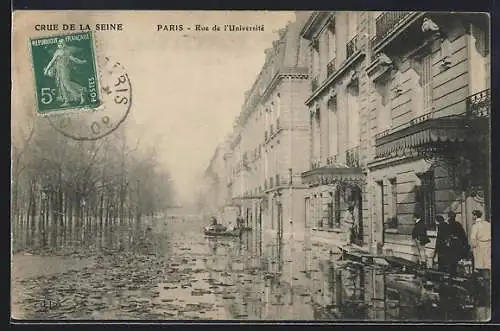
(65, 73)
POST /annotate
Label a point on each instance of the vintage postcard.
(251, 165)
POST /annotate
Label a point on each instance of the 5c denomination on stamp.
(65, 70)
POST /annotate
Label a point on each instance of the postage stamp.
(65, 71)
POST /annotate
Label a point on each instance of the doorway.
(356, 197)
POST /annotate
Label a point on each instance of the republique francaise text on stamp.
(87, 95)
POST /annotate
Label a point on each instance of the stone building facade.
(395, 112)
(337, 103)
(263, 157)
(428, 118)
(268, 156)
(385, 112)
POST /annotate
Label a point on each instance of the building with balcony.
(338, 137)
(273, 125)
(264, 155)
(428, 122)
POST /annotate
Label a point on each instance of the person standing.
(459, 247)
(480, 241)
(442, 248)
(350, 224)
(419, 236)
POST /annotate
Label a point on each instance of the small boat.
(221, 232)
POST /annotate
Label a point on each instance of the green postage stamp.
(65, 73)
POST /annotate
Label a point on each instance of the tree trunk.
(61, 214)
(33, 217)
(54, 220)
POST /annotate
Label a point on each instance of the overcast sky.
(187, 86)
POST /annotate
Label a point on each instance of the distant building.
(214, 192)
(272, 127)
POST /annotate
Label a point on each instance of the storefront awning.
(426, 132)
(328, 175)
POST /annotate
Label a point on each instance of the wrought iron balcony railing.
(331, 160)
(314, 83)
(330, 67)
(387, 21)
(315, 164)
(352, 46)
(352, 157)
(479, 104)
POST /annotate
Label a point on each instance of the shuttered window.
(426, 82)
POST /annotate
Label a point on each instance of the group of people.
(452, 244)
(216, 226)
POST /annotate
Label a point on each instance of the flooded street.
(182, 275)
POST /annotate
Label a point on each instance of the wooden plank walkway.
(358, 255)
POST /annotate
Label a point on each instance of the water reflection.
(177, 273)
(316, 283)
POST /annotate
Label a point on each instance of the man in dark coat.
(458, 240)
(449, 244)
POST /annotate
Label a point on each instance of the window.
(278, 105)
(423, 87)
(307, 212)
(332, 47)
(353, 115)
(317, 134)
(376, 15)
(381, 201)
(315, 57)
(334, 128)
(352, 25)
(426, 199)
(384, 113)
(427, 83)
(331, 216)
(478, 58)
(393, 220)
(337, 207)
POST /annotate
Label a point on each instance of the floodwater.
(182, 275)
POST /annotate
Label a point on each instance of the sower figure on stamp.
(59, 67)
(480, 241)
(419, 236)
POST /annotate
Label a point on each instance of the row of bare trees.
(72, 193)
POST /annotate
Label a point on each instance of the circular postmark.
(115, 90)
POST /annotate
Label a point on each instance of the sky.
(188, 86)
